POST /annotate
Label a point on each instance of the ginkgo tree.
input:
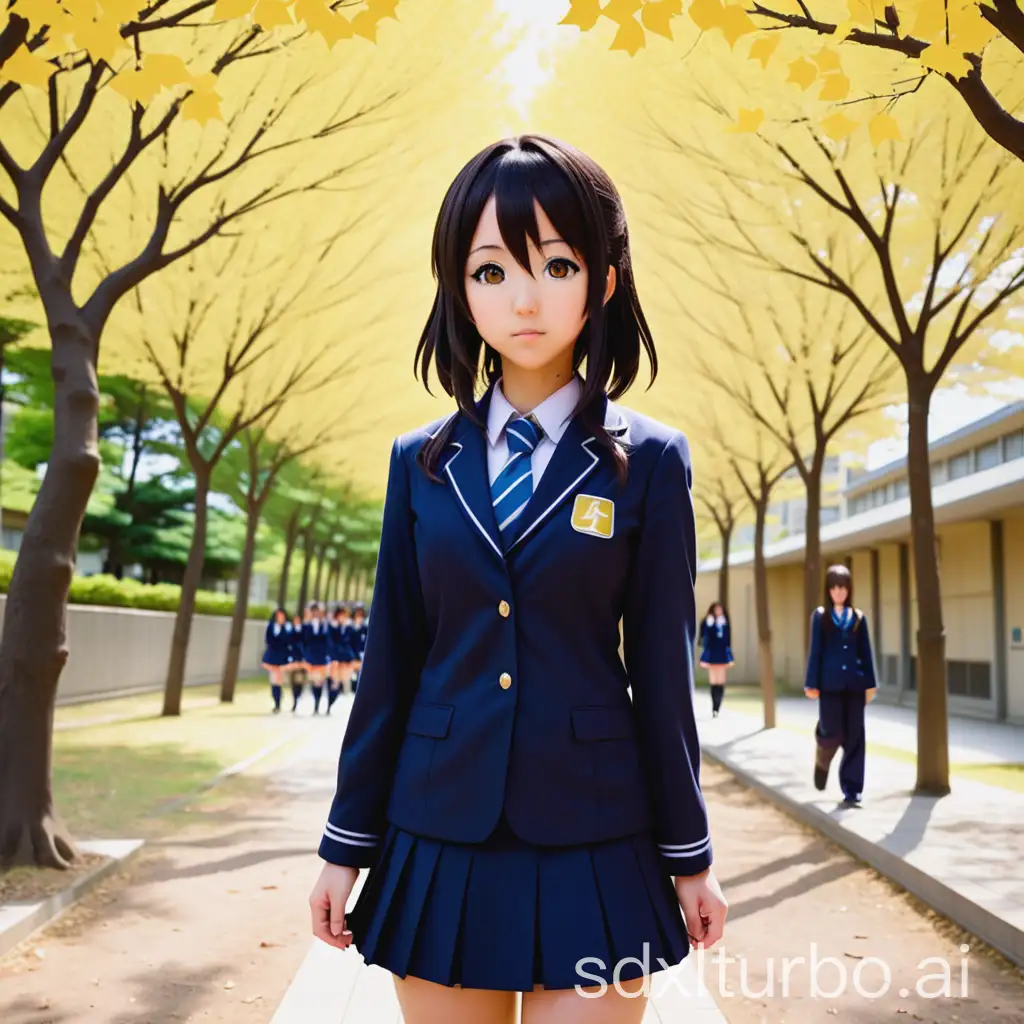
(860, 56)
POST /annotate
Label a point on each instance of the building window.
(891, 669)
(902, 488)
(989, 455)
(960, 465)
(1013, 446)
(969, 679)
(940, 472)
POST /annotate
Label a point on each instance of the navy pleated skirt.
(504, 914)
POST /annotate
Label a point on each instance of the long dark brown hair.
(839, 576)
(586, 209)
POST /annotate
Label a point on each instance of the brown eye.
(562, 269)
(489, 273)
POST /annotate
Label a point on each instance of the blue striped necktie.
(513, 486)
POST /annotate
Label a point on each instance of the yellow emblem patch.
(592, 515)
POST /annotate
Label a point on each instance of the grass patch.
(114, 780)
(140, 705)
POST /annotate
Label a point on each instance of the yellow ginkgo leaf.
(44, 12)
(583, 14)
(81, 10)
(202, 106)
(136, 86)
(883, 128)
(27, 69)
(382, 9)
(931, 20)
(630, 37)
(227, 10)
(166, 69)
(735, 23)
(802, 72)
(122, 11)
(270, 14)
(707, 14)
(658, 14)
(861, 12)
(843, 30)
(969, 32)
(835, 87)
(827, 60)
(839, 126)
(763, 47)
(945, 60)
(101, 39)
(621, 10)
(748, 121)
(334, 29)
(365, 24)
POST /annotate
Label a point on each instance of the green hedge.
(161, 597)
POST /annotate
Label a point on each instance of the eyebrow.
(501, 248)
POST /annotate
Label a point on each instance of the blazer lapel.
(466, 469)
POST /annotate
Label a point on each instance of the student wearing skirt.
(841, 677)
(528, 826)
(296, 665)
(276, 653)
(716, 652)
(316, 651)
(357, 641)
(342, 655)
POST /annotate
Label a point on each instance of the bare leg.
(425, 1002)
(567, 1006)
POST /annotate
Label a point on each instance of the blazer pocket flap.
(430, 720)
(602, 723)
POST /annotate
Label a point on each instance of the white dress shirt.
(553, 415)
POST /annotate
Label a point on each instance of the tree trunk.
(238, 616)
(932, 718)
(115, 560)
(332, 582)
(291, 536)
(723, 570)
(765, 662)
(307, 561)
(33, 648)
(186, 609)
(350, 572)
(321, 558)
(813, 578)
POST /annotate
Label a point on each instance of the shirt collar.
(553, 414)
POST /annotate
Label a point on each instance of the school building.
(978, 492)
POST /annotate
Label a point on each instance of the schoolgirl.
(716, 652)
(841, 677)
(342, 655)
(276, 653)
(357, 641)
(522, 817)
(316, 651)
(296, 664)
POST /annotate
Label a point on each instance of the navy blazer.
(492, 680)
(316, 642)
(840, 660)
(717, 650)
(277, 643)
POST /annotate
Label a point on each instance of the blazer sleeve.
(395, 651)
(659, 624)
(812, 680)
(867, 656)
(728, 643)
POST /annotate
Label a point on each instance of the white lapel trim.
(458, 493)
(539, 519)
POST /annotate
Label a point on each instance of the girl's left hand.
(704, 907)
(869, 695)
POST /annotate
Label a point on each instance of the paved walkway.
(962, 853)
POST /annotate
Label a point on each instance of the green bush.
(160, 597)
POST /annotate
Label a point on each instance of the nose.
(525, 303)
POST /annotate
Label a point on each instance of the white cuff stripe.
(684, 846)
(351, 842)
(687, 853)
(345, 835)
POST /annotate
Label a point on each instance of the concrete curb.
(997, 933)
(18, 921)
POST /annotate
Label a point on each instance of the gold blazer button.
(504, 680)
(504, 609)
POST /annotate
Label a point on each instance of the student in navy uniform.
(357, 640)
(341, 655)
(296, 664)
(841, 676)
(316, 651)
(276, 653)
(716, 652)
(517, 810)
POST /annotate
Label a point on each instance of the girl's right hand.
(812, 694)
(327, 904)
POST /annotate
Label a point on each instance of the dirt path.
(211, 926)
